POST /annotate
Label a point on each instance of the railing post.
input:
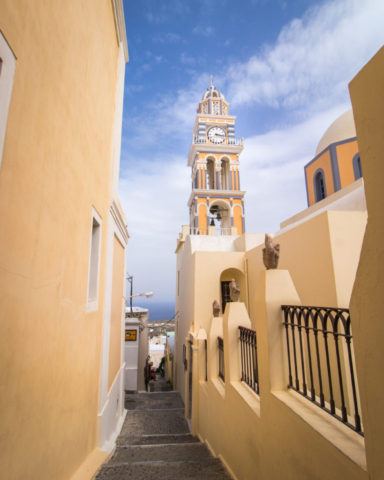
(215, 331)
(235, 315)
(275, 288)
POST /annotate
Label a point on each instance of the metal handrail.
(220, 344)
(339, 361)
(249, 364)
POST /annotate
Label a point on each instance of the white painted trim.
(118, 14)
(7, 74)
(115, 212)
(110, 423)
(93, 305)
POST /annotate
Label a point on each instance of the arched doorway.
(225, 278)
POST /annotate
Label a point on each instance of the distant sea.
(157, 310)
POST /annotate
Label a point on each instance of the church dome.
(341, 129)
(213, 92)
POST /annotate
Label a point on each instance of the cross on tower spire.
(211, 81)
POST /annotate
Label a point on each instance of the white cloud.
(272, 170)
(153, 195)
(132, 89)
(176, 110)
(313, 58)
(203, 30)
(187, 60)
(168, 38)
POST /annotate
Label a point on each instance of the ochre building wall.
(56, 166)
(367, 304)
(345, 153)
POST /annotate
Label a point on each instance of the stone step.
(192, 451)
(205, 469)
(145, 401)
(155, 422)
(126, 440)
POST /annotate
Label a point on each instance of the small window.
(94, 262)
(320, 190)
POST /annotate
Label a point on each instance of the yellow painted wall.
(323, 162)
(367, 304)
(345, 154)
(202, 209)
(116, 311)
(56, 166)
(238, 219)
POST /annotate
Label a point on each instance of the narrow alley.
(155, 442)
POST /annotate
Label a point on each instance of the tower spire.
(211, 81)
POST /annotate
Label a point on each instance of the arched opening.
(214, 94)
(320, 190)
(220, 212)
(210, 173)
(225, 279)
(225, 174)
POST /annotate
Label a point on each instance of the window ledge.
(220, 387)
(350, 443)
(248, 395)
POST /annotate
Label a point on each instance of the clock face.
(216, 135)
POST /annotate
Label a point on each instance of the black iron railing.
(220, 344)
(249, 367)
(206, 360)
(330, 369)
(185, 361)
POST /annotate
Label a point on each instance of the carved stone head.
(234, 291)
(216, 308)
(271, 253)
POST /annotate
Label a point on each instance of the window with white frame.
(7, 73)
(216, 107)
(94, 262)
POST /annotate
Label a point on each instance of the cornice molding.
(116, 214)
(118, 14)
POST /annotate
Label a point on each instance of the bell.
(212, 224)
(218, 216)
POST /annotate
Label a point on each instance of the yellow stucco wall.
(202, 209)
(324, 162)
(114, 363)
(238, 219)
(56, 166)
(345, 154)
(367, 304)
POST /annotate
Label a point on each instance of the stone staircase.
(155, 443)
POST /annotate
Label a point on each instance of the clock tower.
(216, 199)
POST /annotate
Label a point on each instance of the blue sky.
(283, 66)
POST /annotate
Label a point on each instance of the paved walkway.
(155, 442)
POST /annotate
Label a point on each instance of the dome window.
(319, 184)
(357, 170)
